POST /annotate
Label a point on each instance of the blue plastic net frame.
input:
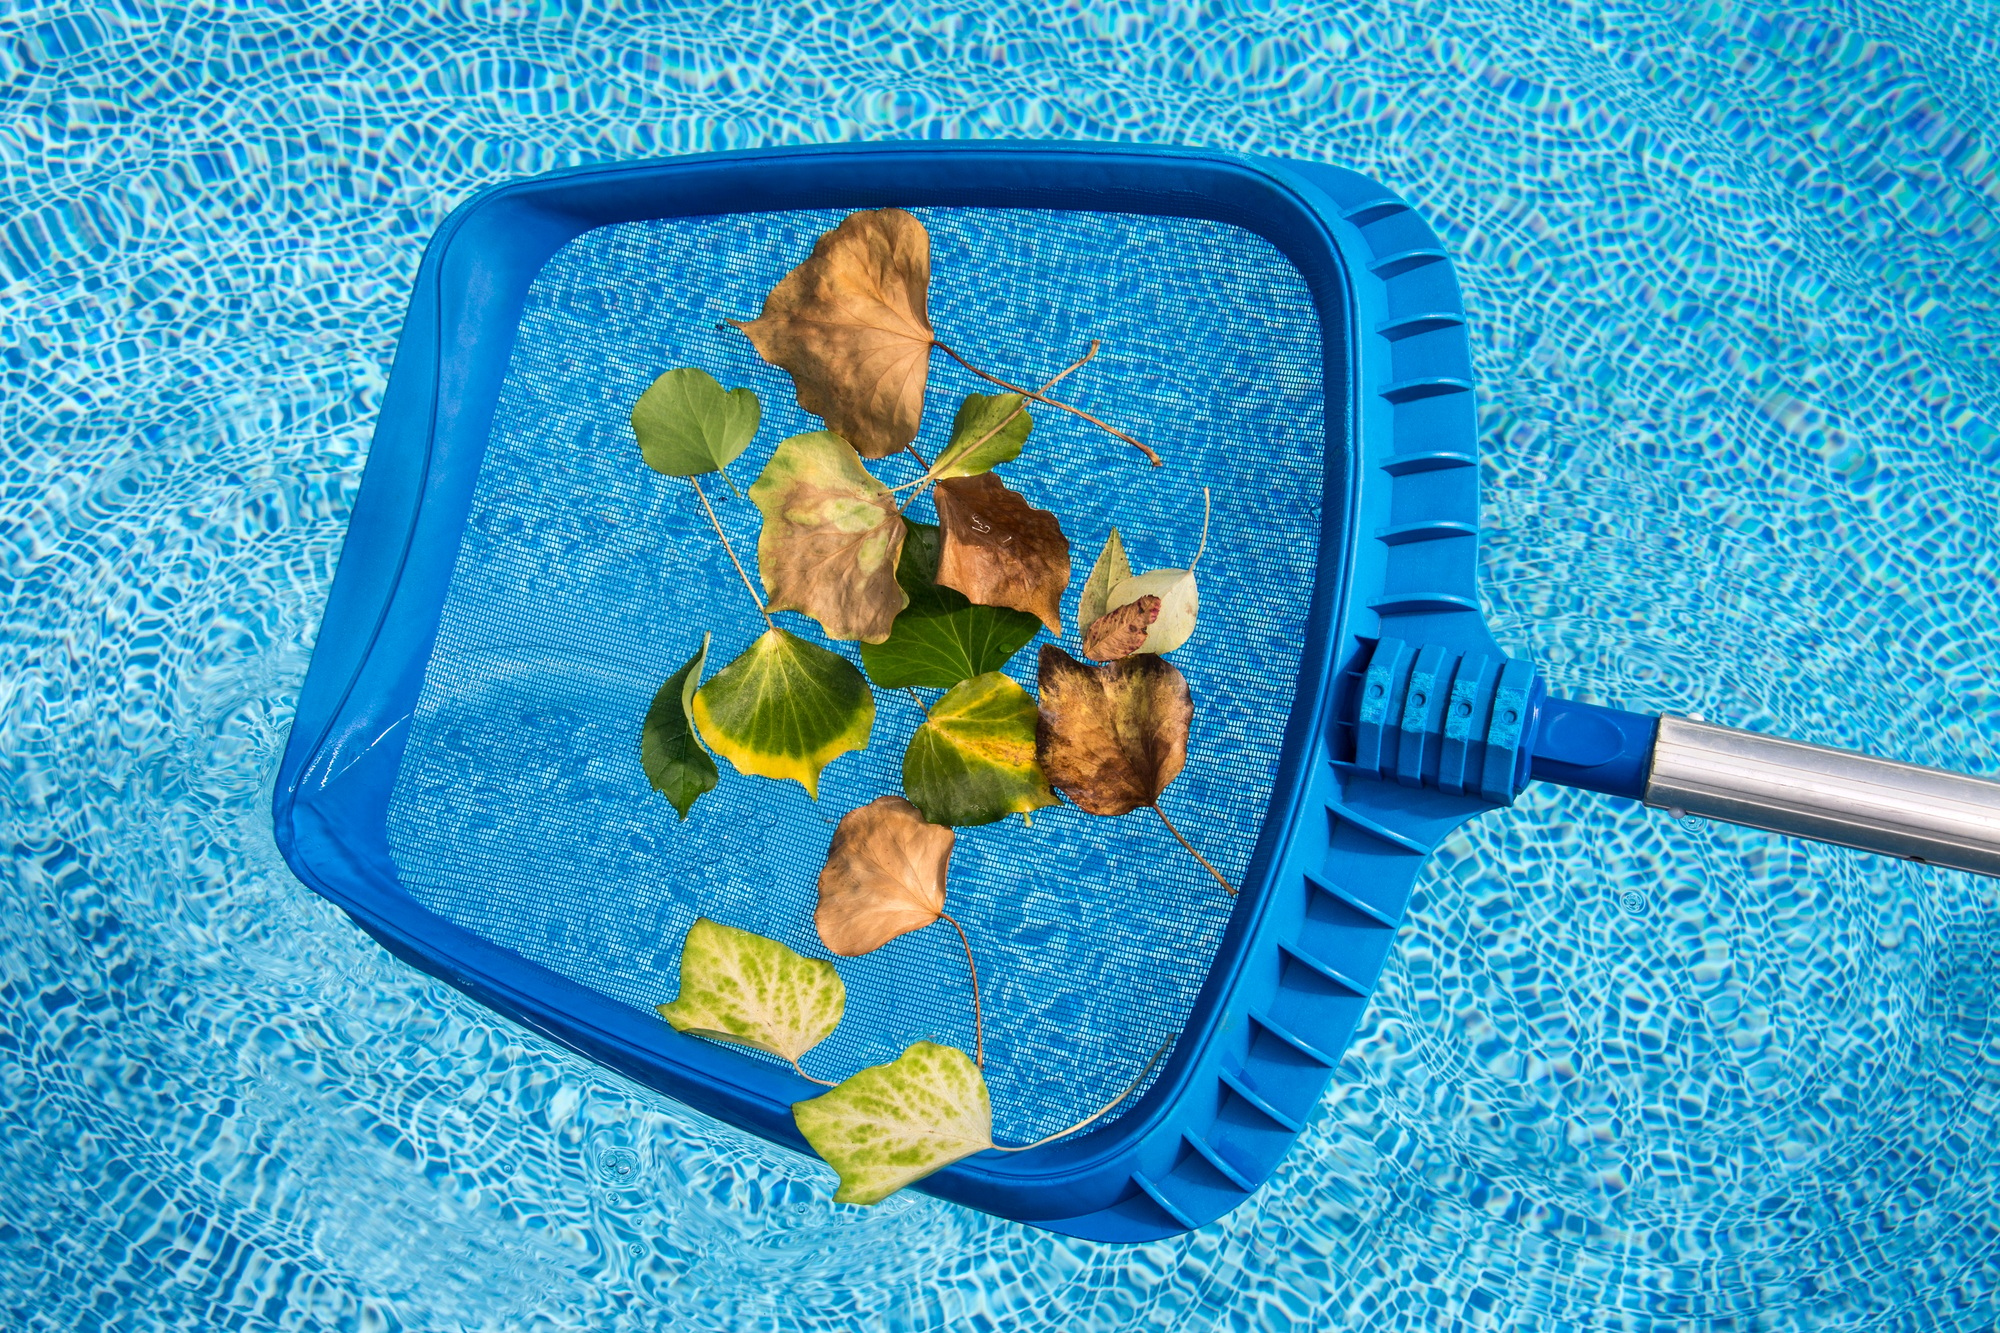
(1338, 848)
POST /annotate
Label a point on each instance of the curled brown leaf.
(999, 550)
(851, 326)
(884, 876)
(1112, 737)
(1120, 633)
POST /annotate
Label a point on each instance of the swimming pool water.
(1735, 284)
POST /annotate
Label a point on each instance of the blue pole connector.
(1471, 723)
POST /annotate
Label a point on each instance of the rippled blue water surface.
(1735, 284)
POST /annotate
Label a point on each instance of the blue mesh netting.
(585, 579)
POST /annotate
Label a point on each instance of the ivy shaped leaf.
(831, 540)
(884, 877)
(1112, 737)
(671, 754)
(850, 326)
(747, 990)
(688, 424)
(941, 638)
(785, 709)
(999, 550)
(973, 759)
(990, 429)
(891, 1125)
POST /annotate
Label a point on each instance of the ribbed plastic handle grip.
(1837, 796)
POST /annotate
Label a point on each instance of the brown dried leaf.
(831, 538)
(850, 326)
(1120, 633)
(999, 550)
(884, 876)
(1112, 737)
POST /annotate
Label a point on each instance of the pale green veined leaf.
(748, 990)
(891, 1125)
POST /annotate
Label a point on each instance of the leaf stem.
(724, 470)
(1019, 408)
(1036, 395)
(823, 1082)
(978, 1023)
(1192, 852)
(1204, 532)
(741, 573)
(1105, 1110)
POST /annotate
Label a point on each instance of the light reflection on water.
(1736, 296)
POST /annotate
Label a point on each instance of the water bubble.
(619, 1166)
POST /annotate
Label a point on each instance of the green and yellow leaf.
(675, 763)
(688, 424)
(989, 430)
(831, 538)
(747, 990)
(941, 638)
(973, 760)
(785, 709)
(891, 1125)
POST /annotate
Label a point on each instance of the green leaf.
(941, 638)
(785, 709)
(973, 759)
(751, 991)
(677, 766)
(891, 1125)
(989, 430)
(832, 538)
(1111, 569)
(688, 424)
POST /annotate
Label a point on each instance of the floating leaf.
(752, 991)
(884, 876)
(999, 550)
(689, 424)
(1120, 633)
(891, 1125)
(1110, 570)
(849, 325)
(989, 430)
(675, 763)
(1179, 605)
(973, 759)
(831, 538)
(941, 638)
(785, 709)
(1112, 737)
